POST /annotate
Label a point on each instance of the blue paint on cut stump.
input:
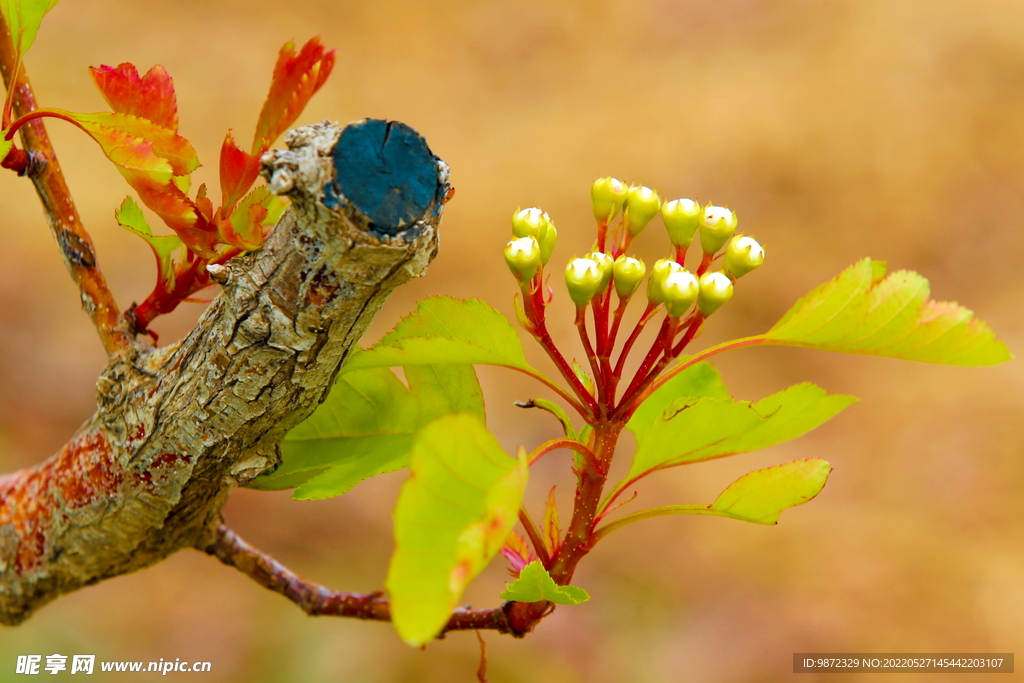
(386, 171)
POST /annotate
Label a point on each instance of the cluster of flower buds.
(669, 283)
(535, 238)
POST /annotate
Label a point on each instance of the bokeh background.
(836, 130)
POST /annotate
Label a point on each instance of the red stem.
(637, 329)
(535, 538)
(630, 400)
(705, 263)
(65, 224)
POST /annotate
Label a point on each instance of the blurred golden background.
(836, 130)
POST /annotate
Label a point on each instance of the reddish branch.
(38, 160)
(317, 600)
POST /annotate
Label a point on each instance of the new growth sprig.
(465, 495)
(671, 288)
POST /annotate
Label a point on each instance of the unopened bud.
(642, 204)
(523, 258)
(681, 217)
(605, 264)
(681, 289)
(628, 273)
(715, 290)
(655, 284)
(607, 196)
(537, 224)
(742, 256)
(583, 280)
(717, 225)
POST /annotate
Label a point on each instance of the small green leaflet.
(535, 584)
(366, 427)
(759, 497)
(448, 330)
(23, 19)
(5, 146)
(762, 495)
(863, 311)
(452, 516)
(695, 428)
(130, 217)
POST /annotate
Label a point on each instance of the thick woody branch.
(177, 428)
(39, 162)
(316, 600)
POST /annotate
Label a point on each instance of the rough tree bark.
(176, 428)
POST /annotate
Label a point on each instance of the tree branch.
(177, 428)
(316, 600)
(42, 168)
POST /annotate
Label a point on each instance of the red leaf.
(517, 551)
(238, 171)
(150, 97)
(297, 77)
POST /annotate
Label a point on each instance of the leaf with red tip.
(238, 171)
(153, 160)
(297, 77)
(149, 97)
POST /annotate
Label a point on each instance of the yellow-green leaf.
(453, 515)
(535, 584)
(759, 497)
(864, 311)
(762, 495)
(23, 19)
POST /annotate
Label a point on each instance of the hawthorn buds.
(605, 264)
(607, 196)
(655, 285)
(715, 290)
(743, 255)
(642, 204)
(717, 225)
(681, 290)
(523, 258)
(583, 279)
(681, 217)
(628, 273)
(535, 223)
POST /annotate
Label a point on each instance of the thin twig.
(65, 224)
(317, 600)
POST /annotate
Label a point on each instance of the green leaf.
(692, 429)
(701, 379)
(130, 217)
(535, 584)
(759, 497)
(365, 427)
(863, 311)
(5, 145)
(762, 495)
(23, 19)
(443, 389)
(448, 330)
(452, 517)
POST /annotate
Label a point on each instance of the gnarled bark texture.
(176, 428)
